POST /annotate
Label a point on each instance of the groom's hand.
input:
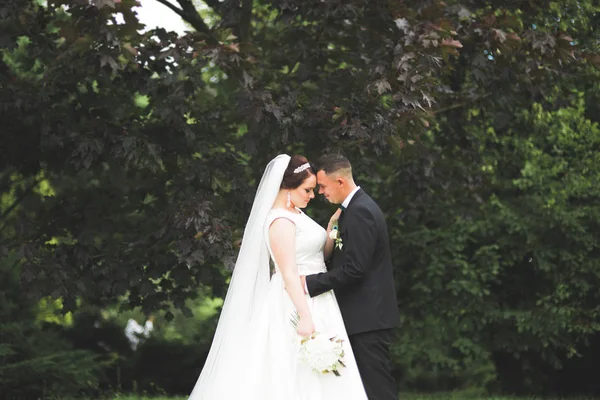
(303, 281)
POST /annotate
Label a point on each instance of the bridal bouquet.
(321, 352)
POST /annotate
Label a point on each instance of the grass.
(450, 396)
(403, 396)
(477, 396)
(130, 397)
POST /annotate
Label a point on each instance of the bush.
(168, 362)
(35, 360)
(167, 367)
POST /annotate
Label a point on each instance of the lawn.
(148, 398)
(403, 396)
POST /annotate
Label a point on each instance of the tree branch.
(189, 14)
(245, 21)
(215, 5)
(462, 104)
(19, 199)
(5, 180)
(172, 7)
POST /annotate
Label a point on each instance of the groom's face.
(329, 187)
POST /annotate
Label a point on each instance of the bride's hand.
(305, 327)
(334, 218)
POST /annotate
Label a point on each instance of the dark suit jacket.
(361, 272)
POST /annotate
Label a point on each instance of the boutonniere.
(336, 236)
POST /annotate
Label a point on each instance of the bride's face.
(303, 194)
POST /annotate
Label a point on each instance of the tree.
(129, 160)
(107, 195)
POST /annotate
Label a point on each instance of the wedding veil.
(245, 297)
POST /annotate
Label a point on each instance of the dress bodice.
(310, 241)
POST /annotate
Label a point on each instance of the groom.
(360, 273)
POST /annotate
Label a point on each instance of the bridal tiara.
(302, 168)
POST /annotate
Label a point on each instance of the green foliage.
(545, 217)
(143, 130)
(128, 164)
(498, 253)
(169, 361)
(197, 328)
(146, 179)
(35, 361)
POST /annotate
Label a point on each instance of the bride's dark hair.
(291, 179)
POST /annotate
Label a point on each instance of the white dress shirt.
(350, 196)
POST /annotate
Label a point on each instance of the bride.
(254, 351)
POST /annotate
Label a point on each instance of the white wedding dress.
(254, 354)
(288, 378)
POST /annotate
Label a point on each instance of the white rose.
(333, 234)
(321, 353)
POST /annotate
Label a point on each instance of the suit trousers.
(372, 353)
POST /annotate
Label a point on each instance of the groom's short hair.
(334, 163)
